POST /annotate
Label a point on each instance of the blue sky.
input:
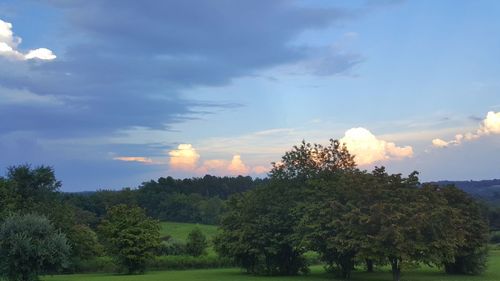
(113, 94)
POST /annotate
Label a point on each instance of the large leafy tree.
(471, 254)
(406, 224)
(31, 245)
(330, 222)
(258, 231)
(260, 228)
(130, 237)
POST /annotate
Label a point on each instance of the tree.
(308, 161)
(330, 222)
(258, 231)
(31, 245)
(196, 243)
(130, 236)
(406, 224)
(84, 244)
(471, 254)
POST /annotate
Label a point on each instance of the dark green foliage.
(30, 245)
(258, 231)
(130, 237)
(178, 262)
(188, 262)
(84, 245)
(495, 238)
(197, 200)
(171, 247)
(470, 256)
(494, 219)
(196, 243)
(330, 226)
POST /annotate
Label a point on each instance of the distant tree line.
(317, 200)
(196, 200)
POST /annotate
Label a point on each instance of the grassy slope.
(180, 231)
(423, 274)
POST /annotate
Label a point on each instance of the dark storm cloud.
(124, 64)
(131, 58)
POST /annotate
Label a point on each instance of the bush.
(97, 264)
(495, 238)
(188, 262)
(171, 247)
(196, 243)
(30, 245)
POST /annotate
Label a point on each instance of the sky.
(115, 93)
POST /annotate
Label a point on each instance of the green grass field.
(180, 231)
(422, 274)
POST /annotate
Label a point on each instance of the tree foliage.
(196, 243)
(130, 237)
(31, 245)
(471, 253)
(258, 231)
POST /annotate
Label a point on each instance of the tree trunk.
(369, 265)
(396, 269)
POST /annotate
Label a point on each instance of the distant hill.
(487, 190)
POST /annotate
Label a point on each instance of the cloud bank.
(490, 125)
(185, 158)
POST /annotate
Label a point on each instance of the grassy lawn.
(180, 231)
(422, 274)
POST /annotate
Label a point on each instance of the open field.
(422, 274)
(180, 231)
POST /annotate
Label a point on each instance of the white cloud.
(134, 159)
(237, 167)
(9, 43)
(40, 53)
(489, 126)
(368, 149)
(440, 143)
(184, 158)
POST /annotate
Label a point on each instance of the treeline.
(317, 200)
(195, 200)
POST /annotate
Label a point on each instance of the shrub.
(188, 262)
(196, 243)
(30, 245)
(495, 238)
(171, 247)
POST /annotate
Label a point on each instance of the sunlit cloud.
(184, 158)
(237, 167)
(134, 159)
(490, 125)
(9, 43)
(367, 148)
(260, 170)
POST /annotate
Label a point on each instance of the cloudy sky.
(114, 93)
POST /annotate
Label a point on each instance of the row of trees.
(318, 200)
(196, 200)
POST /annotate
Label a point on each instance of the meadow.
(180, 230)
(317, 273)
